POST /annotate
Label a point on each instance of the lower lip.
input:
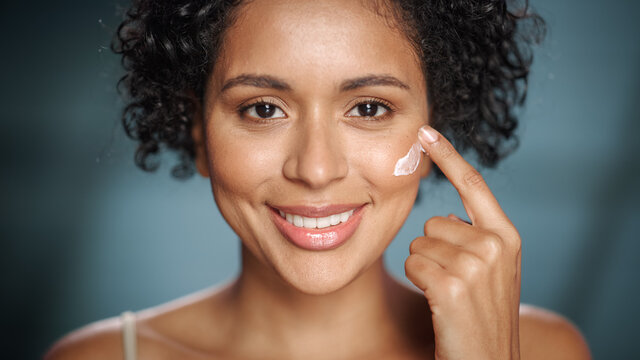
(318, 239)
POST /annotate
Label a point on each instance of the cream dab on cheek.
(408, 164)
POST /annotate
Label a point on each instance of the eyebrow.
(372, 80)
(260, 81)
(271, 82)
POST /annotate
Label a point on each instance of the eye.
(370, 109)
(262, 110)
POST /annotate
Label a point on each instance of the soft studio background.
(86, 235)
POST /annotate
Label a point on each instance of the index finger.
(478, 200)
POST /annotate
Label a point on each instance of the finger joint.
(473, 178)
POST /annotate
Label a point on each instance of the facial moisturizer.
(409, 163)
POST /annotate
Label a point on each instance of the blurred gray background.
(85, 235)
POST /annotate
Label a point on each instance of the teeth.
(323, 222)
(316, 223)
(309, 223)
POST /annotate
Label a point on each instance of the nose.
(316, 158)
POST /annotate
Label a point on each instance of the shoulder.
(163, 331)
(98, 340)
(548, 335)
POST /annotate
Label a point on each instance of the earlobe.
(198, 135)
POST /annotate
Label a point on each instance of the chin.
(318, 276)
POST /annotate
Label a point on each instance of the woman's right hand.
(469, 272)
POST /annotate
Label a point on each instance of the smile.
(316, 222)
(322, 228)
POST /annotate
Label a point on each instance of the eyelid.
(260, 100)
(373, 99)
(243, 107)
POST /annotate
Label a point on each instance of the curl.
(476, 57)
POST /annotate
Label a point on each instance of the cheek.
(376, 161)
(238, 165)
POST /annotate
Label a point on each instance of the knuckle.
(460, 260)
(471, 265)
(454, 288)
(472, 178)
(415, 245)
(432, 223)
(518, 247)
(516, 244)
(491, 247)
(413, 264)
(515, 241)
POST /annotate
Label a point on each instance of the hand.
(469, 272)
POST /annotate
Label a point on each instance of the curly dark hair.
(475, 55)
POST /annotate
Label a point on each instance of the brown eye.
(264, 110)
(369, 109)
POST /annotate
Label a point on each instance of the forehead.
(306, 40)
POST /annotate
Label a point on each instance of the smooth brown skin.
(289, 303)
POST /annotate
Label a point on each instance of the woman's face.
(308, 109)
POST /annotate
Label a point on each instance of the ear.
(198, 134)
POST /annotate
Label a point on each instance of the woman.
(309, 117)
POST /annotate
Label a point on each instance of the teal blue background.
(86, 235)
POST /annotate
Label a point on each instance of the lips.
(306, 236)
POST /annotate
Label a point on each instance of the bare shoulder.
(548, 335)
(98, 340)
(165, 331)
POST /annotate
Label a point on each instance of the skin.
(291, 303)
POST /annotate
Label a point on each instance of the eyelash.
(242, 109)
(379, 102)
(372, 100)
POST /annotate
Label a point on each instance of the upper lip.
(316, 211)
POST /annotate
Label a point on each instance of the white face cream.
(409, 163)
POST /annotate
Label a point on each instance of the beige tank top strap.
(128, 320)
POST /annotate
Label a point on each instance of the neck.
(279, 321)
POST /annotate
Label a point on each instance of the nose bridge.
(317, 158)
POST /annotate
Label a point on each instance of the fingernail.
(428, 135)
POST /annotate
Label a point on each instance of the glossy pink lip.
(317, 239)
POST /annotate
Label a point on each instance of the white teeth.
(319, 223)
(309, 223)
(323, 222)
